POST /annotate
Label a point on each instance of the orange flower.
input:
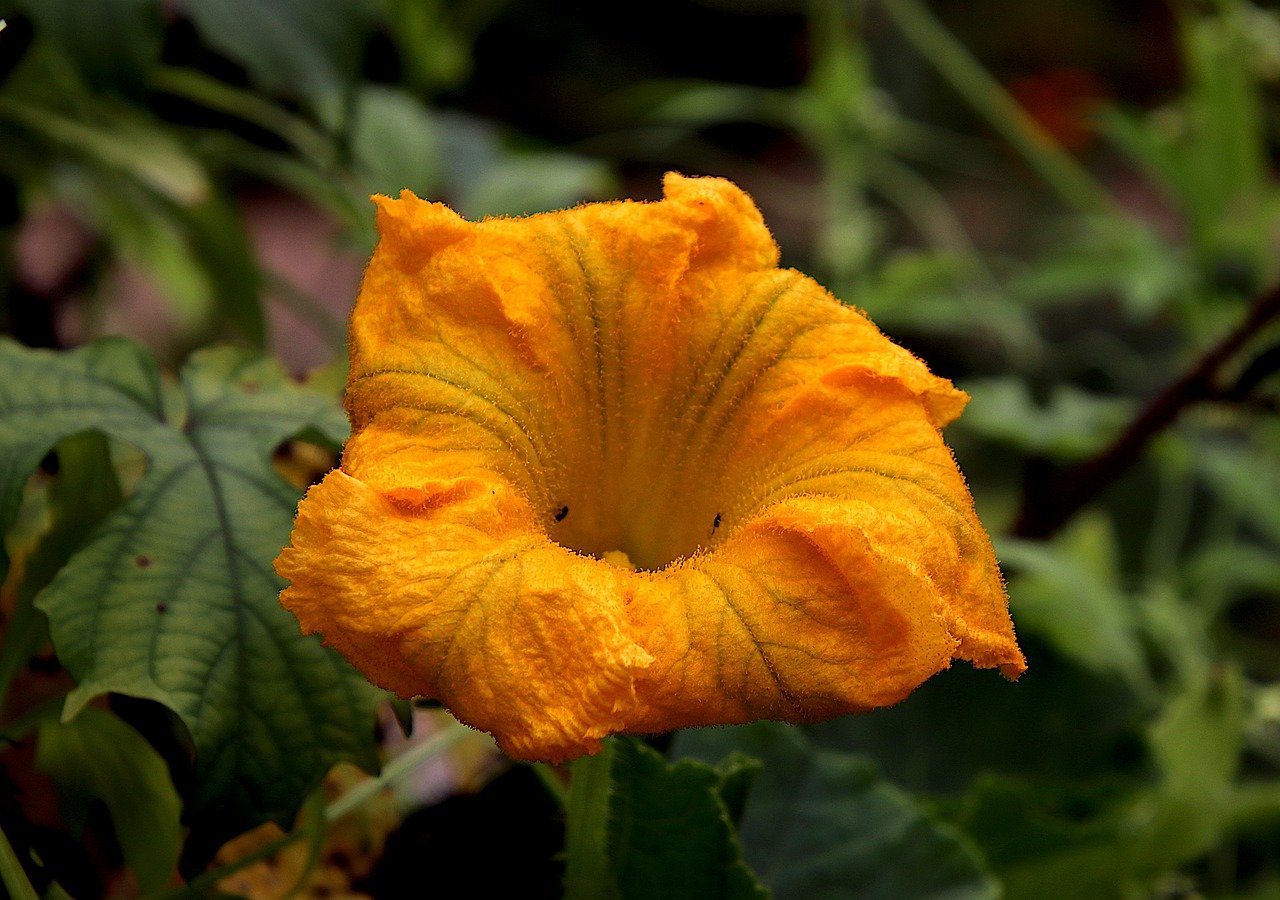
(613, 470)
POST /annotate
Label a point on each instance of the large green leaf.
(1107, 256)
(173, 599)
(99, 757)
(820, 823)
(1045, 842)
(670, 834)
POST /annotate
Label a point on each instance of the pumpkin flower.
(613, 470)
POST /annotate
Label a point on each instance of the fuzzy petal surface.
(614, 470)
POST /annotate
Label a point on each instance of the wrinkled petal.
(449, 594)
(613, 470)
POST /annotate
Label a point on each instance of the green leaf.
(99, 757)
(218, 240)
(820, 823)
(1197, 742)
(174, 598)
(1105, 256)
(530, 183)
(1045, 842)
(81, 495)
(670, 834)
(1059, 717)
(194, 86)
(1208, 150)
(434, 39)
(394, 142)
(698, 103)
(1105, 841)
(12, 875)
(298, 48)
(1244, 474)
(1069, 593)
(121, 139)
(940, 292)
(483, 177)
(1226, 158)
(1072, 424)
(143, 229)
(111, 41)
(199, 255)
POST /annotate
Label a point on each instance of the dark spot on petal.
(141, 561)
(716, 522)
(561, 513)
(162, 607)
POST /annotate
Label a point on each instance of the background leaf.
(1114, 840)
(112, 41)
(288, 46)
(174, 599)
(98, 757)
(394, 143)
(1069, 594)
(820, 823)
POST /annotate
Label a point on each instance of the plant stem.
(348, 802)
(1049, 504)
(587, 827)
(972, 82)
(551, 781)
(12, 875)
(395, 770)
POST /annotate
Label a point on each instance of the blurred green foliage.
(1066, 246)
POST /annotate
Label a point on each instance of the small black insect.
(561, 513)
(716, 522)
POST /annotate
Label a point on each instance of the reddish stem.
(1051, 500)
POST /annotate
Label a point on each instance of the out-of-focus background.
(1062, 205)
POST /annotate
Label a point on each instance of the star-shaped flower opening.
(614, 470)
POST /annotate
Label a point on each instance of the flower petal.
(449, 593)
(778, 529)
(854, 568)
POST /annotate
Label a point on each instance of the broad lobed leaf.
(173, 598)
